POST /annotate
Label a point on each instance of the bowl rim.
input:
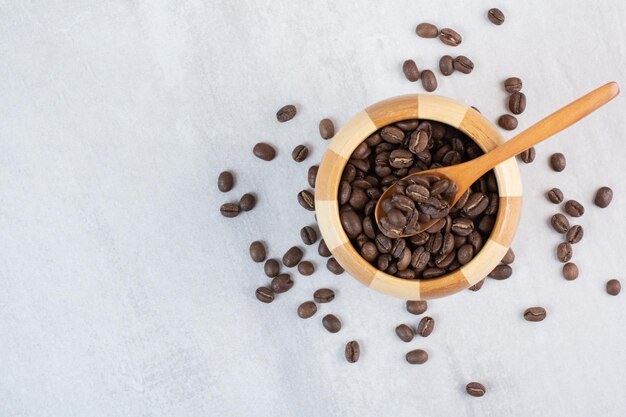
(361, 126)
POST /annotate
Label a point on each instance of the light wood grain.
(441, 109)
(394, 109)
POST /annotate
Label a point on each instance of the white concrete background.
(124, 292)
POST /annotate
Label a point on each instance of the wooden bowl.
(416, 106)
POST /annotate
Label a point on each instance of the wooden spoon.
(465, 174)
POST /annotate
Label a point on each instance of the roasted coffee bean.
(426, 326)
(323, 250)
(417, 357)
(300, 153)
(559, 223)
(307, 310)
(405, 333)
(476, 389)
(575, 234)
(462, 226)
(476, 204)
(369, 252)
(450, 37)
(509, 257)
(555, 196)
(465, 253)
(570, 271)
(271, 268)
(308, 235)
(500, 272)
(247, 202)
(353, 351)
(306, 200)
(603, 198)
(331, 323)
(264, 295)
(351, 223)
(401, 158)
(327, 128)
(517, 102)
(324, 295)
(292, 257)
(334, 267)
(306, 268)
(496, 17)
(225, 181)
(507, 122)
(416, 307)
(476, 240)
(230, 209)
(429, 81)
(264, 151)
(446, 65)
(463, 64)
(281, 283)
(286, 113)
(512, 85)
(528, 155)
(477, 286)
(408, 125)
(345, 191)
(433, 273)
(613, 287)
(392, 134)
(257, 251)
(557, 162)
(564, 252)
(410, 70)
(426, 30)
(574, 208)
(535, 314)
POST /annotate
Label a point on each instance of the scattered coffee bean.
(613, 287)
(225, 181)
(557, 162)
(603, 198)
(271, 268)
(446, 65)
(312, 175)
(416, 307)
(574, 208)
(281, 283)
(463, 64)
(564, 252)
(353, 351)
(509, 257)
(560, 223)
(508, 122)
(264, 295)
(292, 257)
(410, 70)
(575, 234)
(426, 30)
(477, 286)
(555, 196)
(405, 333)
(308, 235)
(230, 209)
(517, 102)
(286, 113)
(257, 251)
(512, 85)
(307, 310)
(476, 389)
(535, 314)
(300, 153)
(306, 268)
(426, 326)
(327, 128)
(495, 16)
(264, 151)
(324, 295)
(417, 357)
(323, 250)
(501, 272)
(331, 323)
(247, 202)
(306, 200)
(334, 267)
(450, 37)
(570, 271)
(528, 155)
(429, 81)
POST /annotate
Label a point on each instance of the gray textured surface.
(123, 292)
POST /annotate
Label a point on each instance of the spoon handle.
(547, 127)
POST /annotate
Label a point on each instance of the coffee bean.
(575, 234)
(613, 287)
(410, 70)
(306, 268)
(465, 253)
(351, 223)
(509, 257)
(286, 113)
(603, 198)
(564, 252)
(324, 295)
(507, 122)
(392, 134)
(230, 209)
(528, 155)
(401, 158)
(306, 200)
(369, 252)
(405, 333)
(476, 204)
(307, 310)
(463, 64)
(257, 251)
(429, 81)
(327, 128)
(247, 202)
(331, 323)
(512, 85)
(450, 37)
(426, 326)
(446, 65)
(574, 208)
(416, 307)
(334, 267)
(559, 223)
(495, 16)
(477, 286)
(535, 314)
(292, 257)
(264, 295)
(323, 250)
(264, 151)
(462, 226)
(426, 30)
(557, 162)
(281, 283)
(570, 271)
(476, 389)
(225, 181)
(555, 196)
(501, 272)
(300, 153)
(308, 235)
(271, 268)
(353, 351)
(417, 357)
(312, 175)
(517, 102)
